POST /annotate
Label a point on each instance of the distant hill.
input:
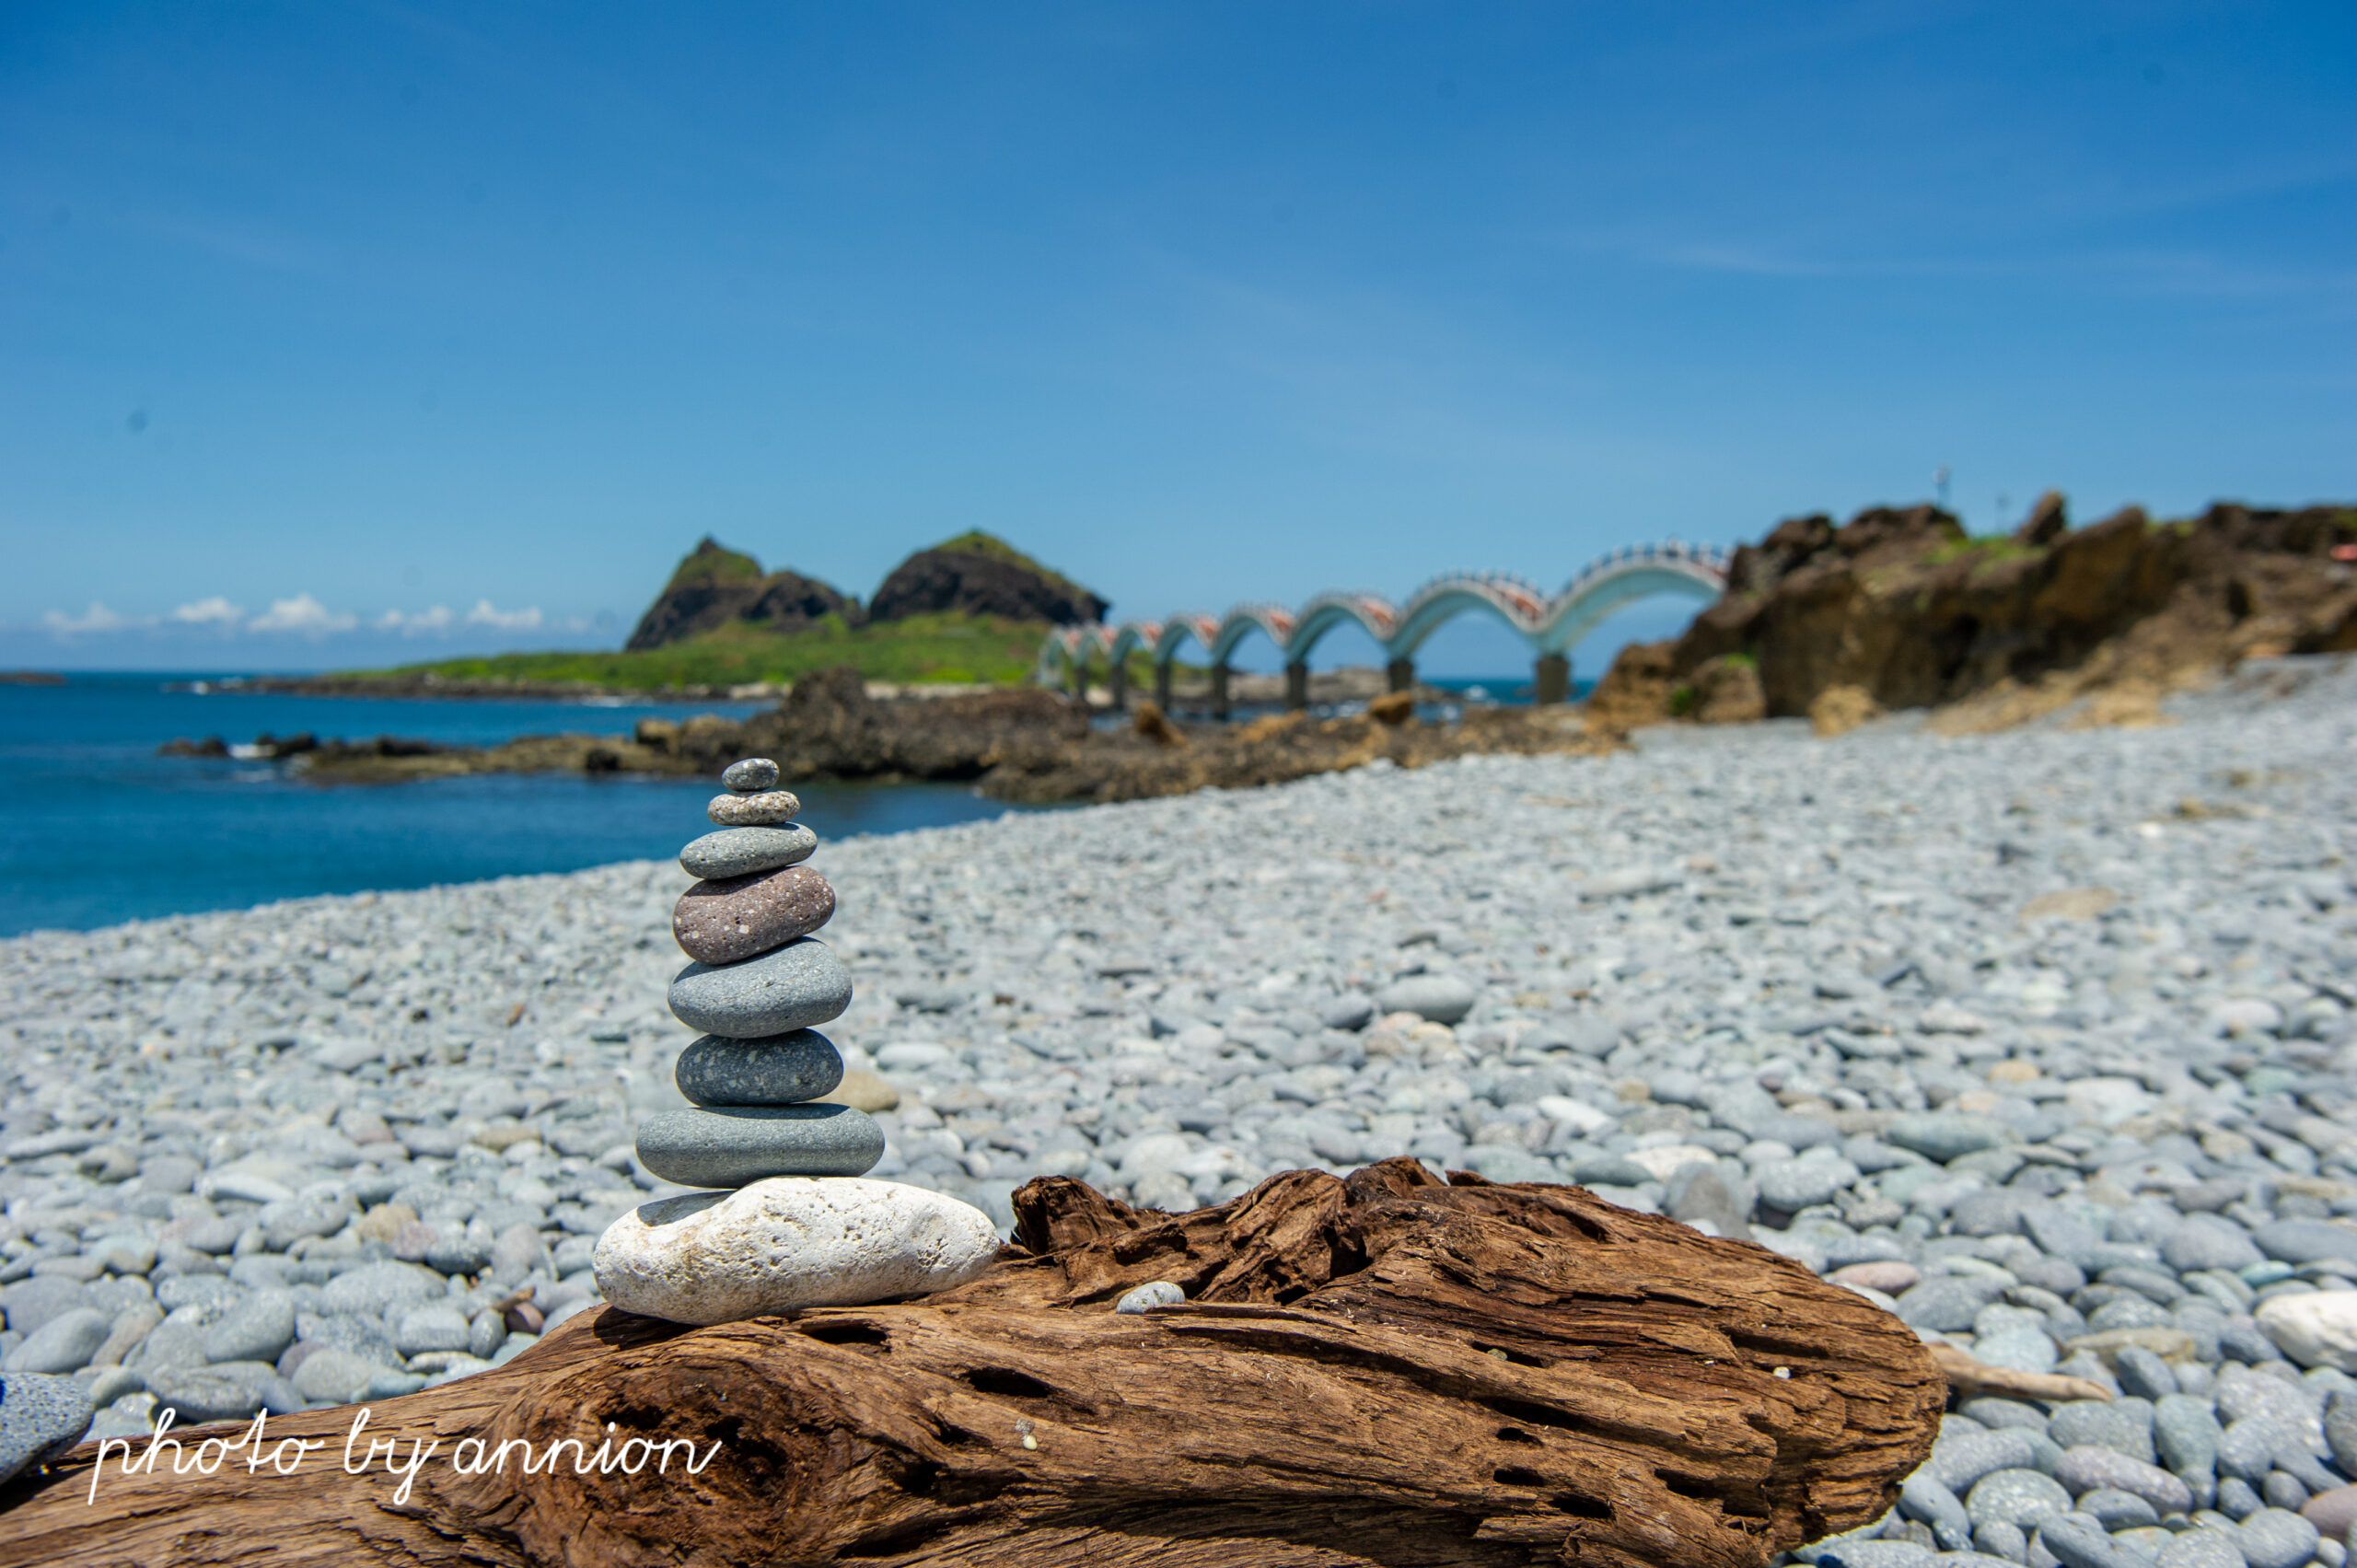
(981, 575)
(715, 585)
(972, 575)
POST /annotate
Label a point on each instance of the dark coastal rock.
(982, 575)
(784, 1071)
(730, 1145)
(713, 585)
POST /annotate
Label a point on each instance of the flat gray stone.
(431, 1326)
(335, 1374)
(40, 1418)
(1437, 998)
(258, 1328)
(1959, 1461)
(2306, 1241)
(232, 1390)
(2117, 1510)
(1944, 1135)
(30, 1303)
(1795, 1184)
(2079, 1543)
(372, 1289)
(2209, 1547)
(65, 1344)
(1948, 1303)
(2017, 1497)
(2124, 1427)
(2089, 1468)
(782, 1069)
(793, 987)
(2209, 1241)
(2274, 1538)
(741, 852)
(731, 1145)
(750, 775)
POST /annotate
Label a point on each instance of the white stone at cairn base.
(789, 1241)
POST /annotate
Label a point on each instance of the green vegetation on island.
(949, 647)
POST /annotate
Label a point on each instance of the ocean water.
(96, 828)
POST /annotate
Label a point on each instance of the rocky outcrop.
(715, 585)
(981, 576)
(1899, 604)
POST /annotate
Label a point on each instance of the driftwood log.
(1382, 1369)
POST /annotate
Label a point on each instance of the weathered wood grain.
(1382, 1370)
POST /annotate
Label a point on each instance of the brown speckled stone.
(719, 923)
(767, 808)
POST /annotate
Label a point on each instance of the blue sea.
(96, 828)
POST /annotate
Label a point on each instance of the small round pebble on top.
(749, 776)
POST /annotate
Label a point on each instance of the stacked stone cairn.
(787, 1221)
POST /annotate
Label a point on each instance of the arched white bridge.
(1551, 623)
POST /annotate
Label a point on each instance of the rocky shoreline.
(2042, 1039)
(1015, 743)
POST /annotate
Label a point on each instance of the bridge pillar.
(1296, 686)
(1117, 682)
(1219, 691)
(1162, 684)
(1553, 680)
(1399, 675)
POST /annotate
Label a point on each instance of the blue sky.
(333, 333)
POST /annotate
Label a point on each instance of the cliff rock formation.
(982, 575)
(715, 585)
(1899, 604)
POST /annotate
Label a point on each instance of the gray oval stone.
(2087, 1469)
(2017, 1497)
(793, 987)
(65, 1344)
(740, 851)
(782, 1069)
(230, 1391)
(1438, 998)
(731, 1145)
(749, 776)
(2185, 1431)
(40, 1418)
(2079, 1543)
(260, 1327)
(1958, 1462)
(2275, 1537)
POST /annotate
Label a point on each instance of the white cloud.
(435, 619)
(485, 614)
(98, 617)
(213, 611)
(302, 613)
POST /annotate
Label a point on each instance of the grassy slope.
(945, 647)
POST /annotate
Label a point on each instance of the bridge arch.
(1618, 579)
(1512, 601)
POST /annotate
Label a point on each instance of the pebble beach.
(2042, 1039)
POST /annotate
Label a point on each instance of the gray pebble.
(1795, 1184)
(2017, 1497)
(1956, 1462)
(2143, 1374)
(2090, 1468)
(374, 1289)
(232, 1390)
(1438, 998)
(1925, 1497)
(2117, 1510)
(2123, 1425)
(431, 1326)
(1350, 1012)
(1943, 1135)
(65, 1344)
(2206, 1241)
(730, 1145)
(40, 1418)
(29, 1304)
(741, 852)
(2077, 1541)
(2206, 1548)
(2273, 1537)
(258, 1328)
(2307, 1240)
(1154, 1293)
(759, 808)
(335, 1375)
(750, 775)
(793, 987)
(1948, 1303)
(783, 1069)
